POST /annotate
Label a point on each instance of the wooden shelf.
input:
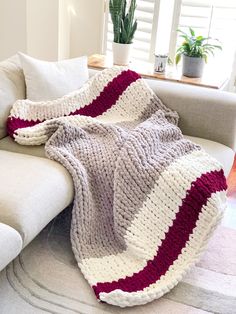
(211, 78)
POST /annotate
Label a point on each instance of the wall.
(86, 27)
(12, 27)
(51, 30)
(64, 23)
(42, 28)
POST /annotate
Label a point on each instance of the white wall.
(42, 28)
(86, 27)
(51, 29)
(12, 27)
(64, 23)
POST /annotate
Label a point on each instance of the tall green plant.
(195, 46)
(124, 23)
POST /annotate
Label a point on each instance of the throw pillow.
(51, 80)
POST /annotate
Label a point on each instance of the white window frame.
(175, 24)
(105, 30)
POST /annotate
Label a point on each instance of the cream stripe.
(134, 259)
(208, 219)
(166, 196)
(40, 133)
(121, 111)
(128, 106)
(28, 110)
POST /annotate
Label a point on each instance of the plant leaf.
(133, 30)
(205, 58)
(169, 61)
(191, 31)
(177, 58)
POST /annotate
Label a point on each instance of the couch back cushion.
(12, 87)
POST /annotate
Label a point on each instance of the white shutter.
(145, 36)
(214, 18)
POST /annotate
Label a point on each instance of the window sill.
(211, 78)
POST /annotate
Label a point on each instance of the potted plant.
(195, 51)
(124, 27)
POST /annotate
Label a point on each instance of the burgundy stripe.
(108, 97)
(176, 238)
(16, 123)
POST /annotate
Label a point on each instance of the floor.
(232, 181)
(230, 215)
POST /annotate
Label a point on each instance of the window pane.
(214, 18)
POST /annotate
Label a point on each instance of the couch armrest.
(204, 112)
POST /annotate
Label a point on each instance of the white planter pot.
(121, 53)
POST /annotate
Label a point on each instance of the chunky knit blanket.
(146, 199)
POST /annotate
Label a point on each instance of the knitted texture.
(146, 200)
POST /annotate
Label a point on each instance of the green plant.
(124, 23)
(195, 46)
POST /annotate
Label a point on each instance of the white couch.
(34, 189)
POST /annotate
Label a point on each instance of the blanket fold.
(146, 200)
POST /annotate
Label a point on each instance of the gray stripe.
(149, 149)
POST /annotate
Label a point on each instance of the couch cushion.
(222, 153)
(12, 87)
(10, 244)
(33, 192)
(7, 143)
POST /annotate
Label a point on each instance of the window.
(213, 18)
(158, 21)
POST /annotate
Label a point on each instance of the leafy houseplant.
(195, 51)
(124, 27)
